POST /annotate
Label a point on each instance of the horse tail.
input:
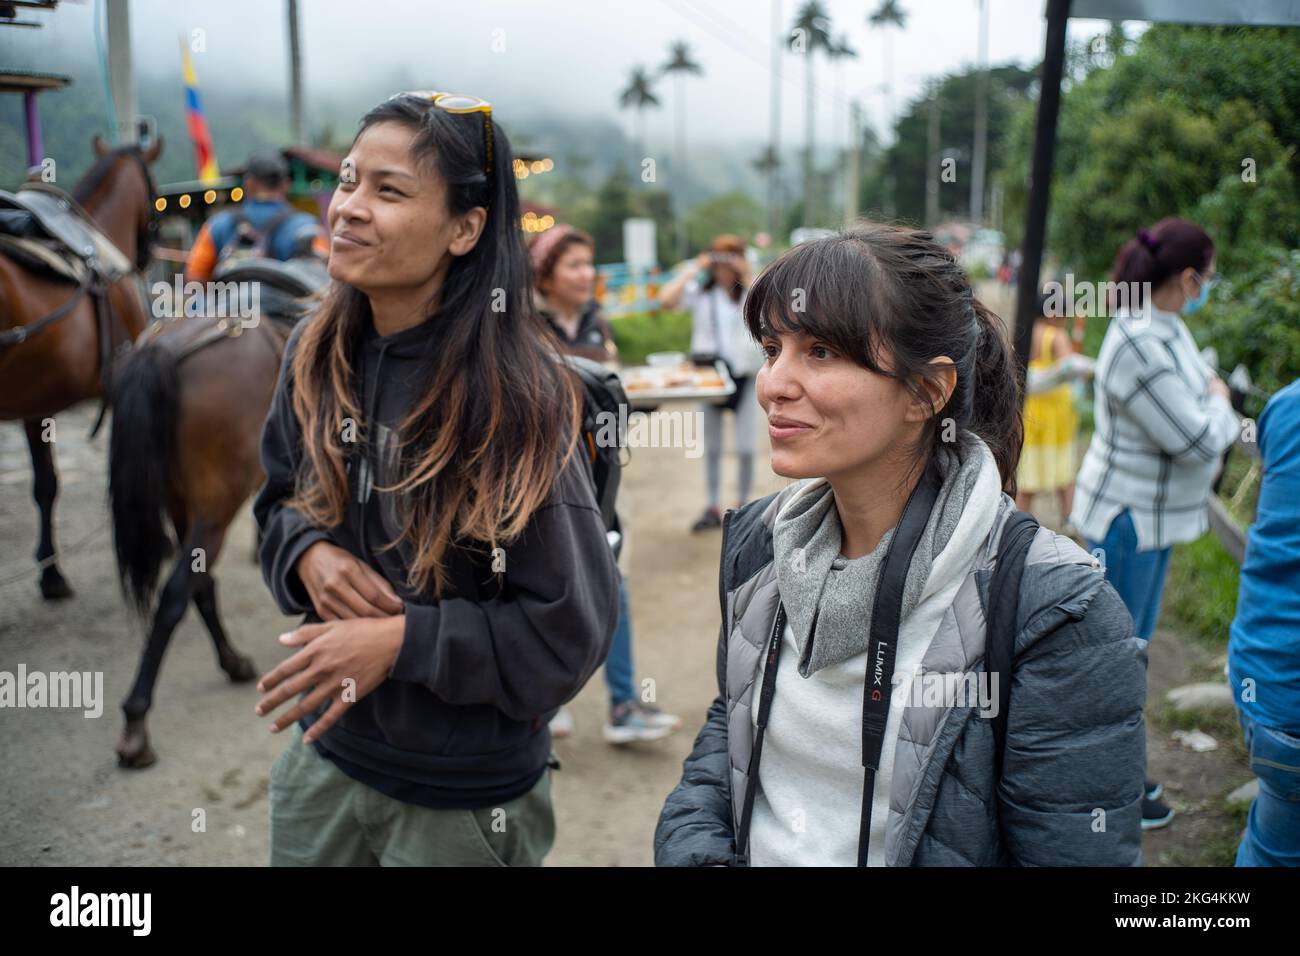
(140, 451)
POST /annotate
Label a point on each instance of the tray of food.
(669, 375)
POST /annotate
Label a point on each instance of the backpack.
(249, 242)
(603, 400)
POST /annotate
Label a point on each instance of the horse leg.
(45, 488)
(133, 747)
(237, 666)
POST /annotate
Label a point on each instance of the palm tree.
(810, 33)
(890, 14)
(639, 96)
(679, 65)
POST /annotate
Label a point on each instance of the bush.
(1253, 319)
(642, 333)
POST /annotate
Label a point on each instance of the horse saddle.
(46, 229)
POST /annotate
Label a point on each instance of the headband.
(545, 244)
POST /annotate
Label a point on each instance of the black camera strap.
(881, 653)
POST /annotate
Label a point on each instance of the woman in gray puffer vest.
(855, 717)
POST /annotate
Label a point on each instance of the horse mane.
(94, 176)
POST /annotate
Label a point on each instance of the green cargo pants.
(322, 817)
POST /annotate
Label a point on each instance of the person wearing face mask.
(1163, 421)
(713, 287)
(564, 278)
(852, 598)
(427, 507)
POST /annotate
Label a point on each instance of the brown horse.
(188, 408)
(60, 365)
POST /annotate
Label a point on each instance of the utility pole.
(981, 119)
(121, 82)
(932, 159)
(774, 173)
(855, 154)
(295, 77)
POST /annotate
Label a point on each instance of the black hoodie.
(461, 721)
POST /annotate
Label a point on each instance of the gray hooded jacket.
(1070, 792)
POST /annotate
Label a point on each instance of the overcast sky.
(570, 56)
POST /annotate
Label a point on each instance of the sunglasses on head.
(461, 103)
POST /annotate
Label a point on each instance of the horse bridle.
(147, 235)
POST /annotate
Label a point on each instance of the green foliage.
(1201, 593)
(638, 335)
(1253, 319)
(909, 158)
(1159, 132)
(734, 212)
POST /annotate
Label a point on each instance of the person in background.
(1163, 422)
(1047, 460)
(1264, 642)
(713, 287)
(264, 224)
(564, 280)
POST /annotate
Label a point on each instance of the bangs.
(826, 290)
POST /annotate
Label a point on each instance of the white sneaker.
(633, 721)
(562, 723)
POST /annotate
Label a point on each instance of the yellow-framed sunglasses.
(462, 103)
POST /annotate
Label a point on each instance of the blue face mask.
(1194, 304)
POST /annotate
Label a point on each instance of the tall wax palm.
(639, 96)
(889, 14)
(679, 66)
(809, 33)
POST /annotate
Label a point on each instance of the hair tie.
(1147, 240)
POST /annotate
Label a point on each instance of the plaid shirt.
(1159, 433)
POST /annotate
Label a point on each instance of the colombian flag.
(205, 158)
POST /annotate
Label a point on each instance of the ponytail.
(996, 411)
(1153, 255)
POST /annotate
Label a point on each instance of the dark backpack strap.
(266, 235)
(1004, 600)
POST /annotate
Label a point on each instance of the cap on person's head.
(267, 168)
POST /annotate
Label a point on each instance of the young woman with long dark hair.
(425, 503)
(853, 600)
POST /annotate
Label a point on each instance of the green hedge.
(642, 333)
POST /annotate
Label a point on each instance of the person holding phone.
(713, 287)
(427, 507)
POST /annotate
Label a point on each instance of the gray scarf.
(819, 586)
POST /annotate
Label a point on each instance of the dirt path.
(63, 800)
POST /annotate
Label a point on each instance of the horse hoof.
(134, 751)
(54, 586)
(242, 671)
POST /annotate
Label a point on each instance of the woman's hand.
(1217, 387)
(342, 660)
(341, 586)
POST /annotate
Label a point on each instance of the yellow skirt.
(1047, 458)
